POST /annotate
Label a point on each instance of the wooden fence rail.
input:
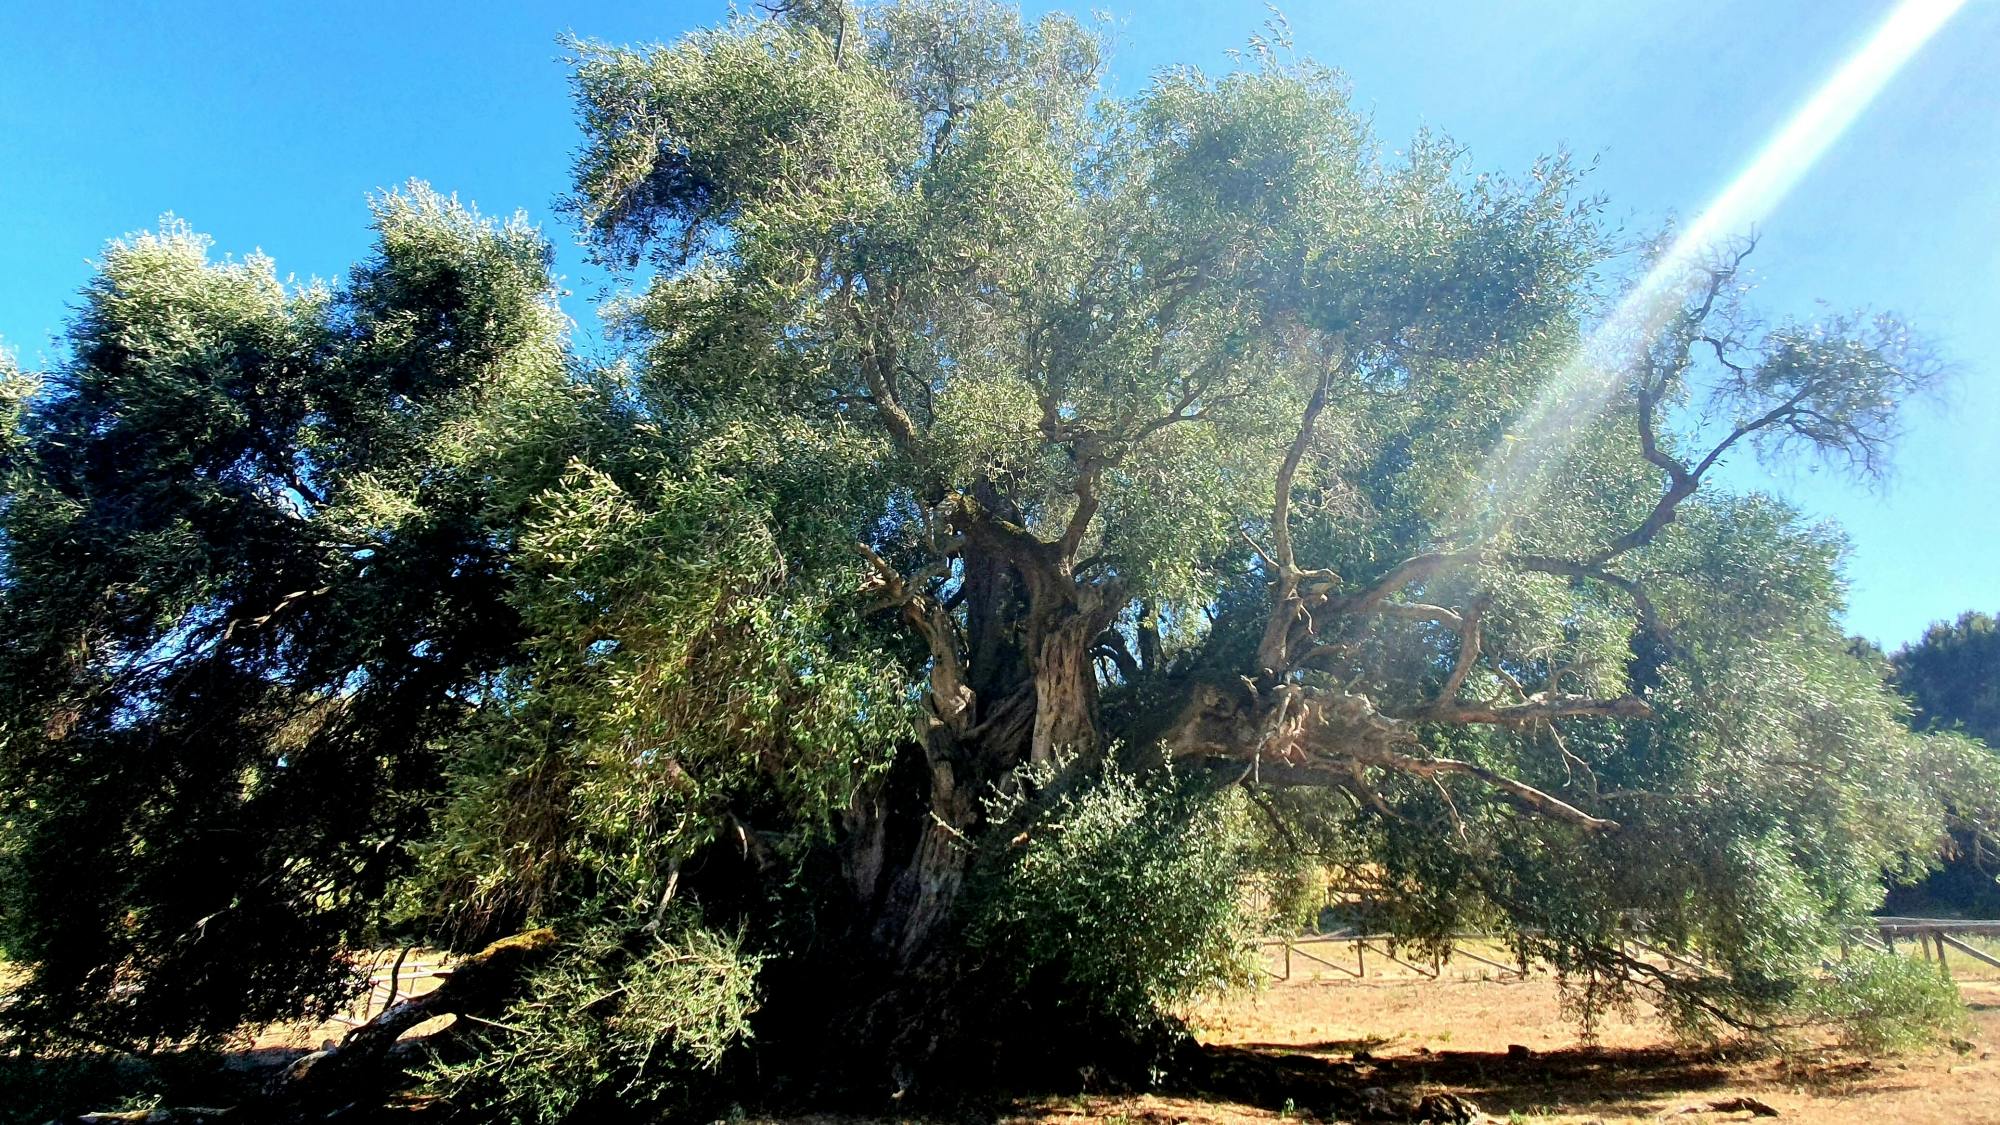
(386, 986)
(1933, 938)
(1383, 946)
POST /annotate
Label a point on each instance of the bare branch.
(1779, 413)
(1261, 552)
(1190, 394)
(1520, 792)
(1649, 438)
(1681, 480)
(1722, 354)
(1274, 651)
(1416, 568)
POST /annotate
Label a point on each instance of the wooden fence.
(399, 981)
(1322, 949)
(1933, 937)
(1348, 954)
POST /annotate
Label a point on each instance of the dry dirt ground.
(1415, 1036)
(1463, 1034)
(1504, 1044)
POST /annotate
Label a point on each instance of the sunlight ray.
(1576, 392)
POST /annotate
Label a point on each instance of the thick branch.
(1111, 645)
(1019, 546)
(1784, 411)
(1333, 775)
(1297, 737)
(1288, 471)
(1520, 792)
(878, 359)
(478, 986)
(1539, 707)
(1683, 482)
(1274, 651)
(1468, 652)
(1418, 611)
(1374, 598)
(1678, 489)
(1649, 440)
(1416, 568)
(951, 691)
(1649, 617)
(1088, 474)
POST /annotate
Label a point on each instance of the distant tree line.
(1951, 676)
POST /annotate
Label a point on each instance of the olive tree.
(1016, 515)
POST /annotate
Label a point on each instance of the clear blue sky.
(266, 126)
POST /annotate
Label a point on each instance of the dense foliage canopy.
(1018, 519)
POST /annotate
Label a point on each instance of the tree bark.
(919, 905)
(1066, 690)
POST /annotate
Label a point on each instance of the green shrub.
(1885, 1003)
(623, 1018)
(1122, 895)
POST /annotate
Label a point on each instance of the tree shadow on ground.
(36, 1089)
(1640, 1081)
(1345, 1047)
(1608, 1081)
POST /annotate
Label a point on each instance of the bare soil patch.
(1508, 1046)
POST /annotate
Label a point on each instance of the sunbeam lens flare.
(1577, 390)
